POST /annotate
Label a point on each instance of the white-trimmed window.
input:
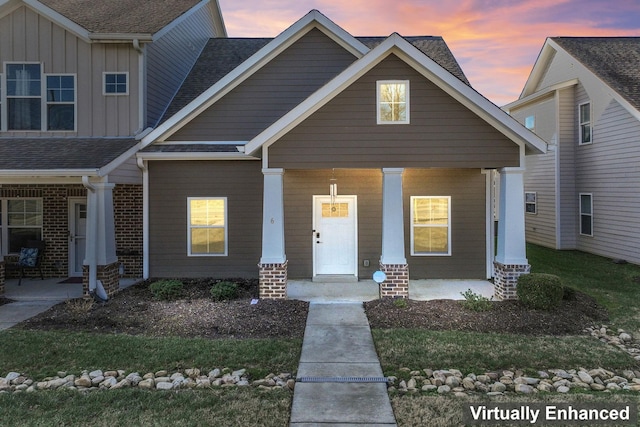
(207, 226)
(430, 225)
(25, 106)
(586, 214)
(20, 221)
(585, 128)
(531, 202)
(115, 83)
(530, 122)
(393, 101)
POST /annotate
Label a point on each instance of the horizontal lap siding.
(608, 169)
(170, 183)
(567, 151)
(467, 188)
(271, 92)
(344, 133)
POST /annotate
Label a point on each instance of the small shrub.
(79, 307)
(475, 302)
(166, 289)
(400, 302)
(223, 291)
(540, 291)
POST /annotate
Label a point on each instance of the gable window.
(586, 214)
(393, 102)
(430, 225)
(531, 202)
(207, 226)
(61, 99)
(584, 112)
(23, 222)
(24, 107)
(530, 122)
(116, 83)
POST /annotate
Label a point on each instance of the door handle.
(71, 236)
(317, 235)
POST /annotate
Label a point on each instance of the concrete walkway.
(339, 380)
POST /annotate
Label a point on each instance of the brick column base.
(107, 274)
(1, 277)
(273, 281)
(505, 279)
(397, 283)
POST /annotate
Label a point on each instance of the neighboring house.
(80, 81)
(319, 155)
(583, 99)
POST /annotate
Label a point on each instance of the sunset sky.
(495, 41)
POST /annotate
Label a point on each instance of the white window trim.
(2, 103)
(590, 124)
(534, 203)
(226, 227)
(104, 83)
(531, 126)
(4, 223)
(46, 103)
(412, 225)
(407, 102)
(590, 215)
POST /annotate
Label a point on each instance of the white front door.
(335, 236)
(77, 235)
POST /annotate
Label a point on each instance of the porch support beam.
(273, 263)
(393, 261)
(511, 260)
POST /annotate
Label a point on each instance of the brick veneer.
(505, 279)
(127, 205)
(1, 277)
(397, 283)
(273, 281)
(107, 274)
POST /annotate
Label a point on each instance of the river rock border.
(194, 378)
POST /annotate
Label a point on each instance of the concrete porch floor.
(367, 290)
(49, 289)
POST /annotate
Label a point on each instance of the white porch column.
(393, 261)
(273, 263)
(101, 260)
(511, 259)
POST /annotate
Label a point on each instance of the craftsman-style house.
(80, 82)
(583, 98)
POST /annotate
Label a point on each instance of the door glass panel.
(335, 210)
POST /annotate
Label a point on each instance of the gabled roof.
(93, 19)
(64, 156)
(615, 60)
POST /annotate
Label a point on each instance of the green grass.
(219, 407)
(40, 354)
(615, 286)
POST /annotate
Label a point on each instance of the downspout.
(142, 165)
(90, 246)
(141, 86)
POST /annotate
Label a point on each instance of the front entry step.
(335, 278)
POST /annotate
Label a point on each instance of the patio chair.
(30, 258)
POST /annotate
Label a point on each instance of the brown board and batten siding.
(26, 36)
(171, 183)
(443, 133)
(271, 92)
(465, 186)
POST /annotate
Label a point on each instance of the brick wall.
(505, 279)
(107, 274)
(127, 206)
(1, 277)
(273, 281)
(397, 283)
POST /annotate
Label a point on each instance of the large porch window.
(431, 225)
(207, 226)
(20, 221)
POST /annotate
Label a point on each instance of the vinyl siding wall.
(27, 36)
(568, 199)
(465, 186)
(540, 176)
(171, 57)
(271, 92)
(442, 133)
(171, 183)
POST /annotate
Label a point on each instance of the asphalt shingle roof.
(615, 60)
(121, 16)
(221, 55)
(61, 153)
